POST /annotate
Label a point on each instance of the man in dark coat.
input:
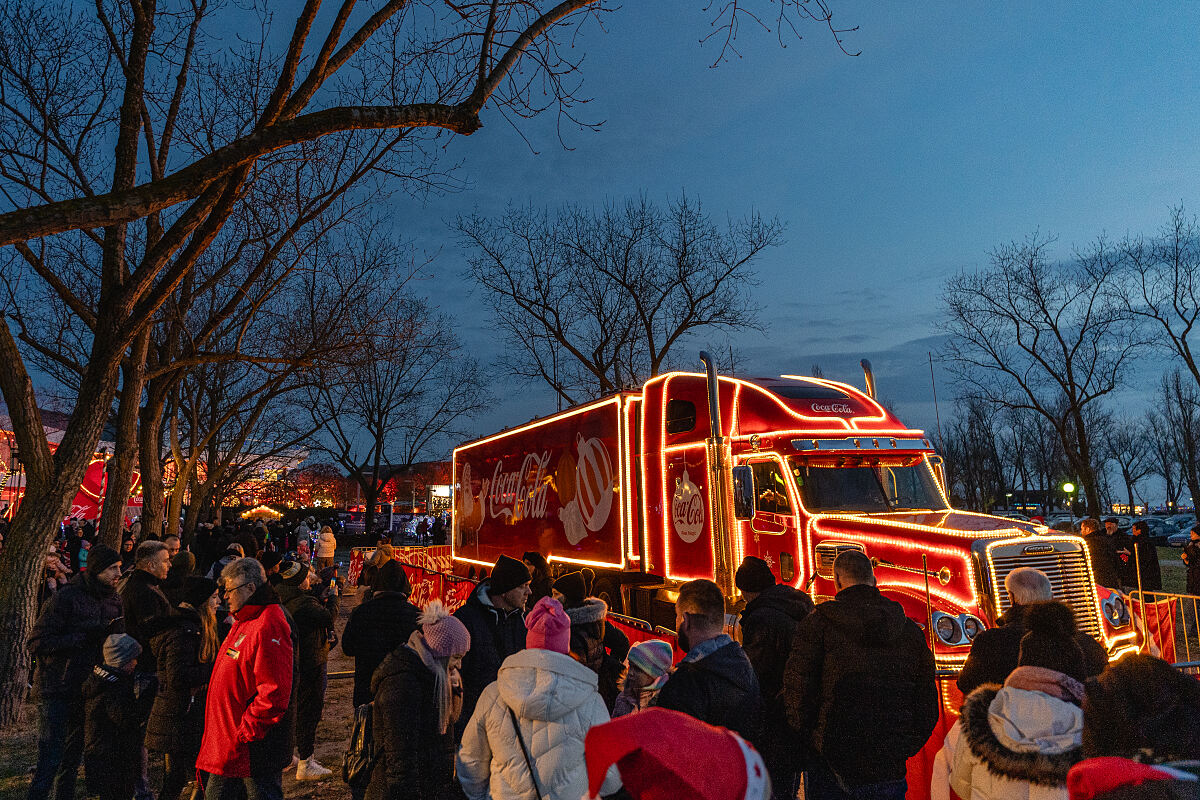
(495, 617)
(142, 597)
(1191, 557)
(769, 621)
(1143, 558)
(379, 626)
(1103, 550)
(995, 651)
(860, 672)
(311, 622)
(715, 682)
(66, 642)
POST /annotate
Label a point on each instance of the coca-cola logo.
(521, 493)
(687, 509)
(833, 408)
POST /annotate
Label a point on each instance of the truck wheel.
(609, 590)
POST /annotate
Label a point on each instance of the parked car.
(1160, 530)
(1182, 521)
(1179, 539)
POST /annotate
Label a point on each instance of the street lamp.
(1068, 489)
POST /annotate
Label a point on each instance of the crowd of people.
(216, 657)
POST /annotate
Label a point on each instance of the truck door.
(772, 534)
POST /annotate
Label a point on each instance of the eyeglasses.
(230, 589)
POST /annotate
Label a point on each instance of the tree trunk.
(51, 485)
(150, 459)
(120, 467)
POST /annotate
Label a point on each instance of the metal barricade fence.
(1168, 625)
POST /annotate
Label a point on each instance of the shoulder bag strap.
(525, 752)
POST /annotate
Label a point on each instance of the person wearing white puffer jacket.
(552, 701)
(1019, 741)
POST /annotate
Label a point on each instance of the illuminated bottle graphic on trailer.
(685, 477)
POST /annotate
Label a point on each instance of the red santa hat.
(655, 751)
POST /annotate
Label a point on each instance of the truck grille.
(1065, 564)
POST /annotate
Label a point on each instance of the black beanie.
(754, 575)
(101, 558)
(392, 578)
(293, 572)
(507, 575)
(1049, 640)
(269, 559)
(196, 591)
(573, 587)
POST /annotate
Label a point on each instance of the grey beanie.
(120, 649)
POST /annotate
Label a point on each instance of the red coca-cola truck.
(687, 476)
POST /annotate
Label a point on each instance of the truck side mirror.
(939, 471)
(743, 493)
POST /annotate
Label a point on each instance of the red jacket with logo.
(250, 687)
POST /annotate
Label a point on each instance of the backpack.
(360, 757)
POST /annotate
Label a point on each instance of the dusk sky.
(959, 127)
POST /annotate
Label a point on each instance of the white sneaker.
(295, 762)
(310, 770)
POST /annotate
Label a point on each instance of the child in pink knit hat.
(549, 627)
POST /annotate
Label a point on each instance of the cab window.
(770, 488)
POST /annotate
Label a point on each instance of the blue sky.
(960, 126)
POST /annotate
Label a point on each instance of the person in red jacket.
(247, 736)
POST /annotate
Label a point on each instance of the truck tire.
(608, 589)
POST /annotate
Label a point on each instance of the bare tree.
(408, 388)
(1126, 445)
(974, 468)
(596, 301)
(1027, 334)
(129, 133)
(1181, 410)
(1165, 462)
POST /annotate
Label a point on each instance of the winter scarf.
(449, 702)
(1048, 681)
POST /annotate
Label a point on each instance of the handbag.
(525, 752)
(361, 754)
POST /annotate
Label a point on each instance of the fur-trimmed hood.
(1023, 735)
(593, 610)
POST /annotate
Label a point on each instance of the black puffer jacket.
(416, 762)
(495, 635)
(860, 671)
(311, 623)
(374, 629)
(995, 652)
(143, 600)
(117, 705)
(177, 718)
(720, 689)
(768, 624)
(69, 633)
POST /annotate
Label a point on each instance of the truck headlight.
(1116, 611)
(971, 625)
(948, 629)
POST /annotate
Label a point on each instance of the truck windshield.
(867, 488)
